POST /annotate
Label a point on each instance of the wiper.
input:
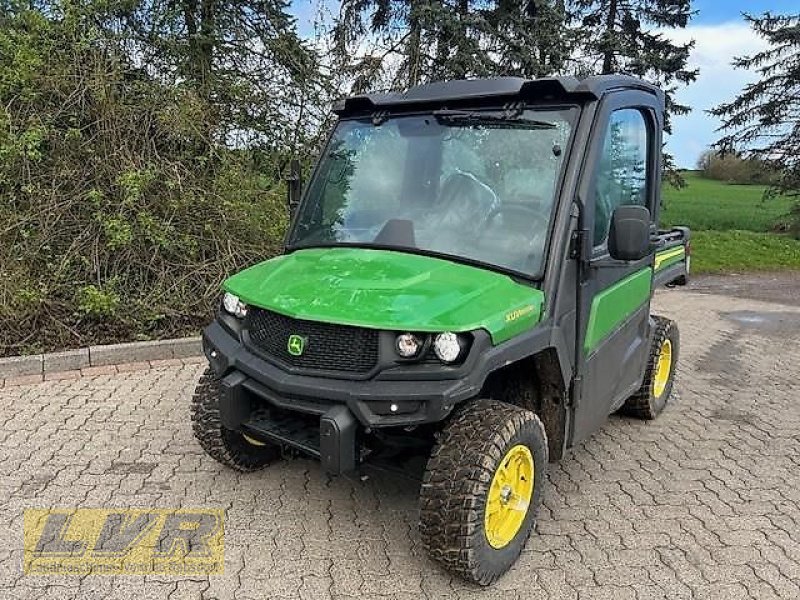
(509, 120)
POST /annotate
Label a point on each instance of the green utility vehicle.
(468, 274)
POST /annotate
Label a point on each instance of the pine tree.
(532, 42)
(622, 36)
(763, 122)
(422, 40)
(416, 41)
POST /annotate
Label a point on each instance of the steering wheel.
(523, 211)
(463, 202)
(525, 222)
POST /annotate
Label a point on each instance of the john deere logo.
(296, 345)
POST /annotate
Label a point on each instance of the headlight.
(447, 347)
(407, 345)
(233, 305)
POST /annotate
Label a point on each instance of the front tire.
(228, 447)
(482, 488)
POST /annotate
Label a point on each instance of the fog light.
(407, 345)
(395, 409)
(447, 347)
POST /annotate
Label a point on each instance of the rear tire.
(659, 376)
(224, 445)
(489, 455)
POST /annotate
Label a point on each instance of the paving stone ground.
(702, 503)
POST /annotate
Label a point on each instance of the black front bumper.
(340, 409)
(332, 439)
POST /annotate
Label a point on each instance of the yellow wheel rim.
(252, 441)
(509, 496)
(663, 369)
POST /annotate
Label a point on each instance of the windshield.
(464, 184)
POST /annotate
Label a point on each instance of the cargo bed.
(673, 257)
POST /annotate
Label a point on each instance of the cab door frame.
(613, 297)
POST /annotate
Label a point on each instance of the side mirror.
(629, 234)
(294, 186)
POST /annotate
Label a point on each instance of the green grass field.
(733, 226)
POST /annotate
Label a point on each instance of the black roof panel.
(479, 88)
(504, 88)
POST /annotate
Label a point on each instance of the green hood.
(381, 289)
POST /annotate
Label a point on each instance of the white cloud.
(715, 48)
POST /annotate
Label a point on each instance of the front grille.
(326, 347)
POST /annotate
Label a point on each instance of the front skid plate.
(286, 430)
(331, 438)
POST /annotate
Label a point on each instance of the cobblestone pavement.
(702, 503)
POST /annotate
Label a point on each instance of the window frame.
(573, 113)
(652, 107)
(601, 248)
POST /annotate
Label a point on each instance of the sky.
(720, 34)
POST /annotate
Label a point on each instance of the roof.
(502, 88)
